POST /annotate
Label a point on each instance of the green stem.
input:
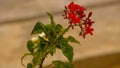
(40, 66)
(67, 29)
(63, 32)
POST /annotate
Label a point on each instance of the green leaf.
(37, 59)
(34, 61)
(47, 29)
(67, 50)
(52, 27)
(38, 28)
(26, 54)
(43, 44)
(53, 50)
(29, 65)
(72, 39)
(59, 27)
(62, 32)
(51, 18)
(60, 64)
(30, 45)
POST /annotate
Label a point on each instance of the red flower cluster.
(76, 16)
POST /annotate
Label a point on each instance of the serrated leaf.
(38, 28)
(58, 28)
(72, 39)
(29, 65)
(34, 61)
(52, 27)
(63, 32)
(60, 64)
(43, 44)
(67, 50)
(47, 29)
(53, 50)
(30, 45)
(51, 18)
(37, 59)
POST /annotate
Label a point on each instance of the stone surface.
(14, 34)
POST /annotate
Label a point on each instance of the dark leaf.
(34, 61)
(58, 46)
(37, 59)
(59, 27)
(29, 65)
(60, 64)
(47, 29)
(43, 44)
(58, 30)
(52, 21)
(67, 50)
(72, 39)
(53, 50)
(30, 45)
(52, 26)
(38, 28)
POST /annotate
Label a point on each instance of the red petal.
(82, 8)
(71, 15)
(71, 5)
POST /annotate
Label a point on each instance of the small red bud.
(72, 27)
(90, 14)
(65, 7)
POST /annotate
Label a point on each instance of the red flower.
(76, 16)
(82, 8)
(71, 6)
(89, 30)
(74, 13)
(71, 15)
(73, 18)
(75, 7)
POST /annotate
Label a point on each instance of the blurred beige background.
(102, 50)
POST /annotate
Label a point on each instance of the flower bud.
(90, 14)
(46, 39)
(35, 39)
(42, 34)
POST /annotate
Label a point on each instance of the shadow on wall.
(103, 61)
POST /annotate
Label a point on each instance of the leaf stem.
(40, 66)
(63, 32)
(67, 28)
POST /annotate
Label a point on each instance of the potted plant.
(50, 37)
